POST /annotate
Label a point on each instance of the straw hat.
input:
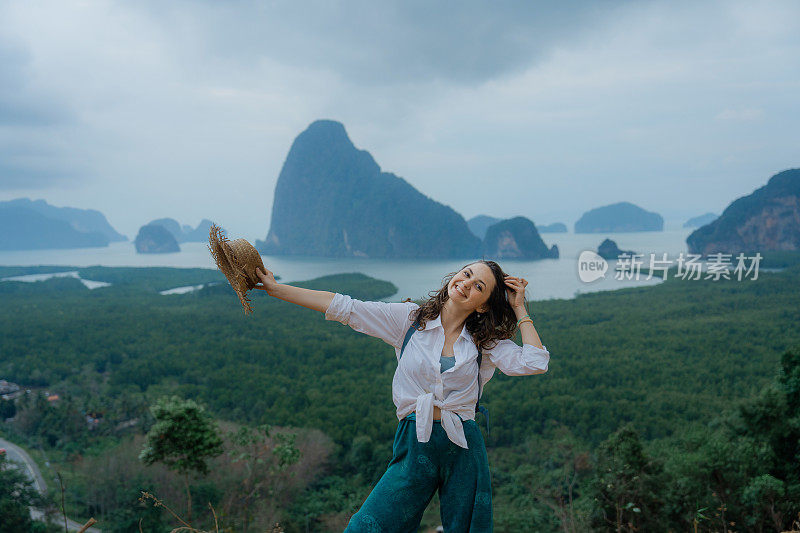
(238, 260)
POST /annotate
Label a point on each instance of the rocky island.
(81, 220)
(608, 249)
(34, 231)
(555, 227)
(619, 217)
(185, 233)
(333, 200)
(39, 225)
(479, 224)
(155, 239)
(700, 220)
(516, 238)
(766, 220)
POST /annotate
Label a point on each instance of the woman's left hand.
(515, 289)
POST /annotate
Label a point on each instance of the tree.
(788, 449)
(16, 497)
(183, 438)
(264, 457)
(772, 420)
(558, 486)
(625, 484)
(7, 409)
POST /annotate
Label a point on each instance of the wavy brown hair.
(499, 322)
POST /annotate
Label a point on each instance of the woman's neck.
(453, 318)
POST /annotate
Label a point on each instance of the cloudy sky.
(187, 109)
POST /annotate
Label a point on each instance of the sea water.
(414, 278)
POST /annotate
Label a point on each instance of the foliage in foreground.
(16, 496)
(654, 365)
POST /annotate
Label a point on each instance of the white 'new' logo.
(591, 266)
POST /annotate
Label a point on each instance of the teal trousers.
(417, 470)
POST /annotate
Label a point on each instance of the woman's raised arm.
(316, 300)
(386, 321)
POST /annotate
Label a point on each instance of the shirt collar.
(437, 323)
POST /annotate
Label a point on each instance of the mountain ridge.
(82, 220)
(332, 200)
(768, 219)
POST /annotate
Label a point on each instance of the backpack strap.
(478, 406)
(410, 332)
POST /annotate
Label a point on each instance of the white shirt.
(418, 384)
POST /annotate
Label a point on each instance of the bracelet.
(521, 320)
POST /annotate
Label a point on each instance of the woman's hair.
(497, 323)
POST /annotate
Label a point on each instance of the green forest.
(673, 407)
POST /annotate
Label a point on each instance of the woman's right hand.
(268, 282)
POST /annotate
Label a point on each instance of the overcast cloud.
(144, 110)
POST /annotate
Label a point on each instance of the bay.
(548, 278)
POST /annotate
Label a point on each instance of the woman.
(436, 387)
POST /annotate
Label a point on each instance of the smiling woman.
(452, 344)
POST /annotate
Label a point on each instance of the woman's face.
(472, 286)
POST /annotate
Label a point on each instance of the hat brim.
(219, 246)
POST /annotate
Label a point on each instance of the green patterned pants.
(417, 471)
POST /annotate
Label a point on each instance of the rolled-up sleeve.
(515, 360)
(386, 321)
